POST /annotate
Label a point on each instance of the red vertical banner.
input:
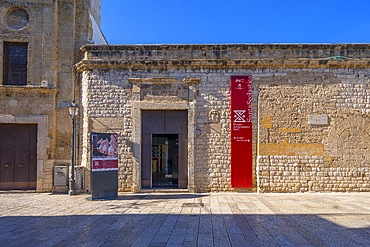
(241, 131)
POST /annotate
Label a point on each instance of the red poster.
(241, 131)
(106, 164)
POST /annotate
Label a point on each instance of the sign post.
(241, 131)
(104, 165)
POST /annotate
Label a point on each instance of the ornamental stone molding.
(16, 18)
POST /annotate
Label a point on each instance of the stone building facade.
(311, 106)
(170, 106)
(39, 44)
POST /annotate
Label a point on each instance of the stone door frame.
(138, 104)
(43, 143)
(136, 116)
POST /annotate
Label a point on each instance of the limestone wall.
(310, 110)
(54, 31)
(106, 107)
(314, 134)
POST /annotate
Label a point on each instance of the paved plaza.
(218, 219)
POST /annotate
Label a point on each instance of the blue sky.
(235, 21)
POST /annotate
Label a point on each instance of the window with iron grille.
(15, 63)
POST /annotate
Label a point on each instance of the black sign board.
(104, 165)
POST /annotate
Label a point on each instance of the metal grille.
(79, 177)
(15, 63)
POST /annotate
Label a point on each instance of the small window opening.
(15, 63)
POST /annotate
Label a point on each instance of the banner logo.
(239, 116)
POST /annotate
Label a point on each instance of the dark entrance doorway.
(164, 149)
(165, 160)
(18, 156)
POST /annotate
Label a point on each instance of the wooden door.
(18, 156)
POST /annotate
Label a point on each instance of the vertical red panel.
(241, 131)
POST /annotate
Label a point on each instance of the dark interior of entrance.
(164, 149)
(165, 160)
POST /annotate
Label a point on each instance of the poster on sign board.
(104, 151)
(241, 131)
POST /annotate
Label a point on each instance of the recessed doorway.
(164, 149)
(18, 156)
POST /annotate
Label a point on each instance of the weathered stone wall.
(14, 110)
(310, 110)
(108, 100)
(299, 154)
(285, 173)
(54, 31)
(106, 107)
(95, 10)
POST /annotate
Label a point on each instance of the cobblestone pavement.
(219, 219)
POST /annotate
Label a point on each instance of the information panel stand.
(241, 131)
(104, 166)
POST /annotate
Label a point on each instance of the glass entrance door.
(165, 160)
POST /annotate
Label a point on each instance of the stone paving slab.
(216, 219)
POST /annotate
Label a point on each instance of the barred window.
(15, 63)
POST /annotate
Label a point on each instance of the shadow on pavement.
(192, 228)
(128, 197)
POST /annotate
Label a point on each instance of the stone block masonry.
(298, 153)
(52, 31)
(310, 110)
(308, 174)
